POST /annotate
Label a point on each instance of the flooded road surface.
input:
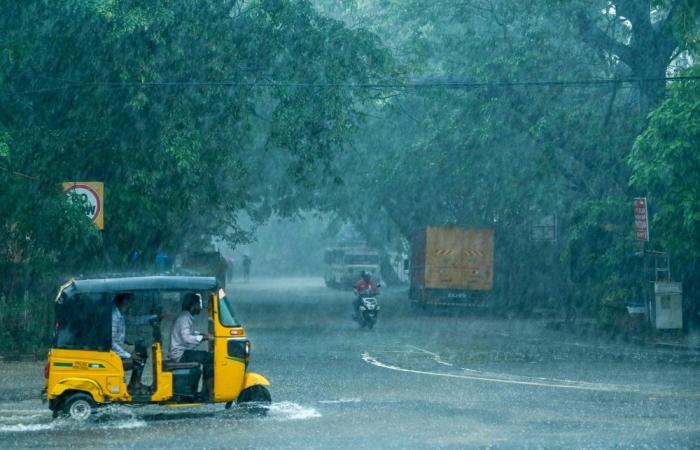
(415, 381)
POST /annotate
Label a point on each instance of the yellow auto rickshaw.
(83, 372)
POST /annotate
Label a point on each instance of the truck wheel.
(255, 399)
(78, 406)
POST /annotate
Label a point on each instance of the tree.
(666, 166)
(178, 109)
(190, 112)
(499, 154)
(645, 35)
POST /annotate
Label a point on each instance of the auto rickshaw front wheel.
(78, 406)
(255, 399)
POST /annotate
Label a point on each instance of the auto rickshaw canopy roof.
(132, 284)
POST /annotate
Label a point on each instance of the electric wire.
(366, 86)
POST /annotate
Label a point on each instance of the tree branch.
(638, 13)
(19, 174)
(596, 38)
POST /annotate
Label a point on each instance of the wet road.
(414, 381)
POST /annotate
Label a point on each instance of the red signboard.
(641, 219)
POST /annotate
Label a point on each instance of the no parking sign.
(90, 197)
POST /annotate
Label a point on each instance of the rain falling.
(349, 224)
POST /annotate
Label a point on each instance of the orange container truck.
(451, 266)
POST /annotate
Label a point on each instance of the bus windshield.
(362, 259)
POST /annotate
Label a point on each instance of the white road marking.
(561, 384)
(435, 356)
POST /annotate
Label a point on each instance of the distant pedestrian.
(163, 263)
(246, 267)
(229, 268)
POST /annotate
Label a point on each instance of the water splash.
(291, 411)
(21, 428)
(341, 400)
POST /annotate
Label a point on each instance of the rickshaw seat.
(169, 365)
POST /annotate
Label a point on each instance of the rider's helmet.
(366, 275)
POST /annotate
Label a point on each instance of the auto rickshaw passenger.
(133, 357)
(183, 340)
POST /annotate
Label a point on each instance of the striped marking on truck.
(450, 251)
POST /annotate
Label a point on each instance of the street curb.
(590, 329)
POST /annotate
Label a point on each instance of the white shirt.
(182, 336)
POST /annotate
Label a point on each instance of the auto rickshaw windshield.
(226, 315)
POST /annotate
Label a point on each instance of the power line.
(388, 85)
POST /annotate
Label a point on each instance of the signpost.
(90, 195)
(544, 229)
(641, 219)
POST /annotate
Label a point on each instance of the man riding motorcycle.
(363, 286)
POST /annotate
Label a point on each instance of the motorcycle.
(367, 309)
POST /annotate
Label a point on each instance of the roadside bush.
(25, 324)
(615, 295)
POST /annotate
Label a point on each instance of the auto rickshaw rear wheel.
(254, 399)
(78, 406)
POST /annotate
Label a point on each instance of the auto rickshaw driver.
(183, 340)
(133, 356)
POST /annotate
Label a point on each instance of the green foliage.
(615, 294)
(172, 106)
(666, 165)
(180, 160)
(4, 145)
(193, 112)
(685, 23)
(601, 255)
(26, 324)
(502, 156)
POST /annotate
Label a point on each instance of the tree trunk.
(649, 51)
